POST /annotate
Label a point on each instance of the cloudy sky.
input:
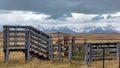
(56, 13)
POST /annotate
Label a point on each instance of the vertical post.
(89, 53)
(26, 41)
(50, 48)
(58, 36)
(70, 53)
(103, 58)
(85, 54)
(28, 35)
(6, 43)
(118, 53)
(73, 42)
(15, 34)
(60, 51)
(66, 45)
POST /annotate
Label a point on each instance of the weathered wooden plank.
(86, 54)
(94, 50)
(118, 51)
(4, 37)
(39, 51)
(5, 44)
(19, 36)
(99, 59)
(13, 31)
(50, 48)
(113, 52)
(70, 53)
(60, 51)
(102, 47)
(6, 52)
(104, 43)
(17, 40)
(97, 52)
(38, 46)
(40, 37)
(18, 50)
(96, 55)
(39, 32)
(17, 45)
(14, 26)
(38, 40)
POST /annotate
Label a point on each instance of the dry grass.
(17, 59)
(113, 37)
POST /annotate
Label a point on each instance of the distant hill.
(71, 29)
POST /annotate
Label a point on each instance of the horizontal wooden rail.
(38, 46)
(40, 37)
(15, 26)
(17, 45)
(38, 50)
(19, 36)
(14, 31)
(39, 32)
(17, 40)
(103, 43)
(38, 40)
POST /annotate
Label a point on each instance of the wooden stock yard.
(34, 43)
(28, 40)
(101, 51)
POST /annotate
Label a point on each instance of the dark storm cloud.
(57, 8)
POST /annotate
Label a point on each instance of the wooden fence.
(101, 51)
(35, 43)
(28, 40)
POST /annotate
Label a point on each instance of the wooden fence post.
(28, 38)
(70, 53)
(60, 51)
(6, 43)
(118, 53)
(73, 43)
(50, 48)
(88, 54)
(103, 58)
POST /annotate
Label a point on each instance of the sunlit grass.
(17, 59)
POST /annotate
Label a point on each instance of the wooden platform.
(28, 40)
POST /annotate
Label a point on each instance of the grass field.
(17, 59)
(80, 38)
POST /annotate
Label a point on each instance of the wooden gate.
(101, 51)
